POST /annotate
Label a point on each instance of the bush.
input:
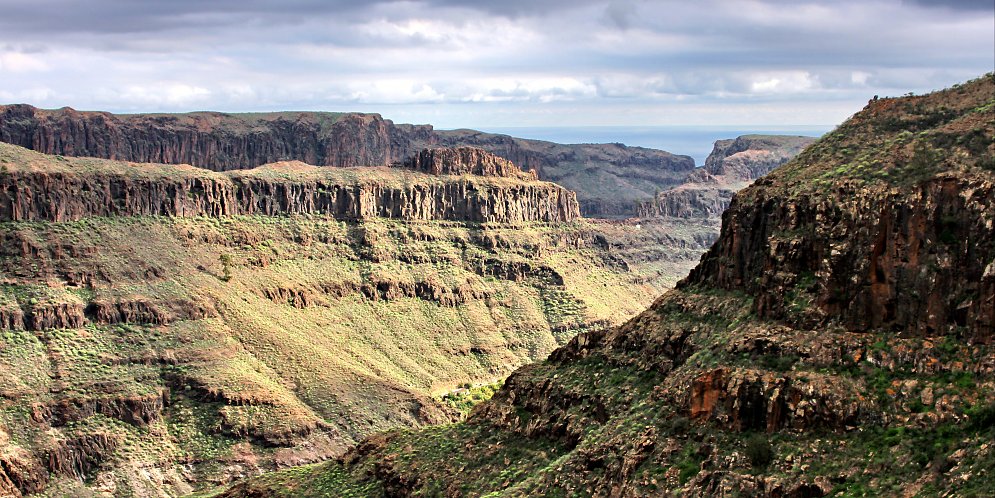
(982, 416)
(759, 451)
(678, 425)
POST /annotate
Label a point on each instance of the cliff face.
(465, 161)
(913, 261)
(835, 341)
(749, 157)
(62, 193)
(210, 140)
(609, 178)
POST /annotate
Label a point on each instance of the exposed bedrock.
(63, 196)
(912, 261)
(465, 161)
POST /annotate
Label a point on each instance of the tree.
(226, 263)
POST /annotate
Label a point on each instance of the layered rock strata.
(123, 190)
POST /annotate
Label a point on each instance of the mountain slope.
(168, 328)
(837, 340)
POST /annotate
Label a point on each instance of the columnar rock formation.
(111, 189)
(209, 140)
(465, 161)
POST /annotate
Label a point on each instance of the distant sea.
(694, 141)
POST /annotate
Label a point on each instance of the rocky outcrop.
(374, 290)
(138, 411)
(76, 457)
(67, 196)
(687, 202)
(914, 261)
(21, 473)
(210, 140)
(465, 161)
(143, 311)
(54, 315)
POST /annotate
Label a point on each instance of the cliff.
(835, 341)
(465, 161)
(609, 178)
(749, 157)
(53, 189)
(732, 165)
(210, 140)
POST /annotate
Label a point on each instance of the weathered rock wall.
(214, 141)
(688, 203)
(222, 142)
(62, 196)
(918, 261)
(465, 161)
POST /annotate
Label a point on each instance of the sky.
(480, 64)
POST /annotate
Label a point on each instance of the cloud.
(20, 62)
(470, 62)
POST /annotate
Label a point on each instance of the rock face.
(913, 260)
(114, 190)
(465, 161)
(732, 165)
(749, 157)
(210, 140)
(609, 178)
(835, 341)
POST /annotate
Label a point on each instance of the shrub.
(759, 451)
(982, 416)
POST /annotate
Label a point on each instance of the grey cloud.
(968, 5)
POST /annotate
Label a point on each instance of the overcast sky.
(463, 63)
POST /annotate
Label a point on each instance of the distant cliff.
(732, 165)
(465, 161)
(61, 190)
(609, 179)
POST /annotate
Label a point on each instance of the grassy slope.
(609, 414)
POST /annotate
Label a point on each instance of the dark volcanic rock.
(465, 161)
(210, 140)
(64, 195)
(913, 261)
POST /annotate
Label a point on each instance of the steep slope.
(837, 340)
(609, 178)
(166, 328)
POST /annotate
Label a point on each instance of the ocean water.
(694, 141)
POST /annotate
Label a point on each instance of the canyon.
(166, 328)
(836, 340)
(189, 300)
